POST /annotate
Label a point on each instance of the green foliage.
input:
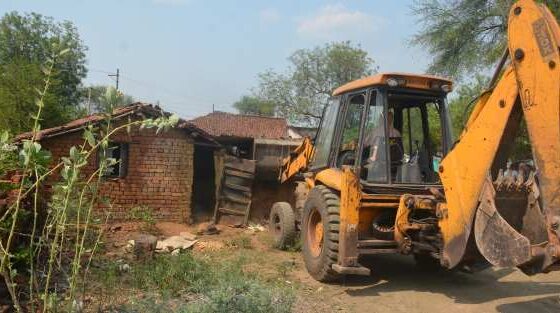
(8, 154)
(255, 106)
(464, 36)
(216, 286)
(461, 105)
(27, 42)
(103, 98)
(144, 214)
(161, 123)
(301, 92)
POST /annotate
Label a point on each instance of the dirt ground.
(395, 285)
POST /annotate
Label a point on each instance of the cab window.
(420, 124)
(351, 130)
(374, 155)
(324, 139)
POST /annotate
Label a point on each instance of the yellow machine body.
(462, 221)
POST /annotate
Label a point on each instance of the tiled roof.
(245, 126)
(138, 109)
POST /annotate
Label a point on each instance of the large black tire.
(323, 203)
(282, 225)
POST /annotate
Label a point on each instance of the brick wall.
(159, 175)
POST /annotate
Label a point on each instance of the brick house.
(156, 171)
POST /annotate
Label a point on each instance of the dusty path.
(396, 285)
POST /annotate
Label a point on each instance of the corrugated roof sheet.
(245, 126)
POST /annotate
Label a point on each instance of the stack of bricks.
(159, 173)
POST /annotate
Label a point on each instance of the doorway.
(204, 184)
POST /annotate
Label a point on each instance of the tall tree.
(301, 92)
(255, 106)
(26, 43)
(464, 36)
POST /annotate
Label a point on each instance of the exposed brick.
(159, 176)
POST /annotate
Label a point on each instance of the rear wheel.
(320, 226)
(282, 224)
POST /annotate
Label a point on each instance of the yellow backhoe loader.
(384, 174)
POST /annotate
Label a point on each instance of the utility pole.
(89, 101)
(117, 78)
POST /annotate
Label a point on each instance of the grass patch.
(243, 242)
(188, 283)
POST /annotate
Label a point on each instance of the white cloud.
(269, 16)
(332, 20)
(171, 2)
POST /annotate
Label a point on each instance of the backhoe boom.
(530, 86)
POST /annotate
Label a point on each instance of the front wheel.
(320, 226)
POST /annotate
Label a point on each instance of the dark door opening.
(204, 184)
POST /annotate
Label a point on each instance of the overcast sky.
(192, 54)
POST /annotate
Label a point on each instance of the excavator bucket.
(518, 218)
(509, 221)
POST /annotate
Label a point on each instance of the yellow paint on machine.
(465, 168)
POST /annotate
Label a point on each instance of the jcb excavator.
(384, 175)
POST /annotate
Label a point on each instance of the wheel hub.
(315, 233)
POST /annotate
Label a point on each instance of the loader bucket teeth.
(509, 226)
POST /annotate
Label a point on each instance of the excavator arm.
(529, 88)
(297, 161)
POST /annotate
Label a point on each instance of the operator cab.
(391, 128)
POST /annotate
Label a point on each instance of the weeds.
(145, 215)
(284, 268)
(243, 242)
(295, 246)
(188, 283)
(50, 245)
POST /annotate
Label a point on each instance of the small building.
(171, 173)
(264, 139)
(267, 140)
